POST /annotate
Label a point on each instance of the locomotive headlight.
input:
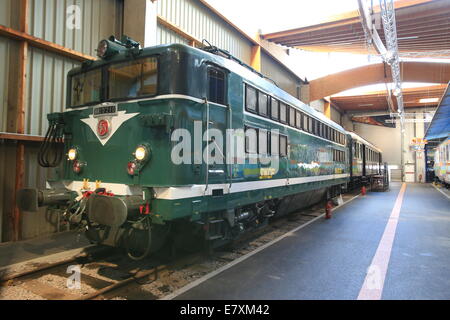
(72, 154)
(109, 47)
(141, 153)
(102, 48)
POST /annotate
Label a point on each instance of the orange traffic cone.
(328, 211)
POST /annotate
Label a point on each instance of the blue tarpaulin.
(440, 125)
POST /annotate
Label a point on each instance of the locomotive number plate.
(105, 110)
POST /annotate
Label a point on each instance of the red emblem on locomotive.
(103, 128)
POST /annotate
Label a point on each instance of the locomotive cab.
(112, 143)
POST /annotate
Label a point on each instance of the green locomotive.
(174, 144)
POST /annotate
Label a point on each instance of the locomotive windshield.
(133, 79)
(86, 88)
(124, 80)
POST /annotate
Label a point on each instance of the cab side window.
(216, 82)
(250, 98)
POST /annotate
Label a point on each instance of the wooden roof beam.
(339, 20)
(412, 71)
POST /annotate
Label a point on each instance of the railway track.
(108, 274)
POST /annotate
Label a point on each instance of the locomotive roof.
(362, 140)
(259, 82)
(248, 76)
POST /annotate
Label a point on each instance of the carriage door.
(216, 115)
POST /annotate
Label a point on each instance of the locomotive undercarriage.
(125, 221)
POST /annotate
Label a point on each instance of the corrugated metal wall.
(165, 36)
(52, 20)
(192, 17)
(46, 88)
(33, 224)
(284, 79)
(9, 13)
(4, 72)
(44, 221)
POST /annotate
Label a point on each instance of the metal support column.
(392, 58)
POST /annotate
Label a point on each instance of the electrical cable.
(52, 148)
(128, 233)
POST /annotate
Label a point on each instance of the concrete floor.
(22, 251)
(328, 259)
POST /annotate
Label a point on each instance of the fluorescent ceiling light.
(365, 105)
(428, 100)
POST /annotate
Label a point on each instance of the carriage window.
(339, 156)
(292, 117)
(86, 88)
(262, 142)
(283, 113)
(274, 108)
(250, 98)
(283, 146)
(262, 104)
(133, 78)
(216, 81)
(274, 144)
(251, 141)
(298, 121)
(310, 125)
(305, 122)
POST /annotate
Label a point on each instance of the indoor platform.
(329, 259)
